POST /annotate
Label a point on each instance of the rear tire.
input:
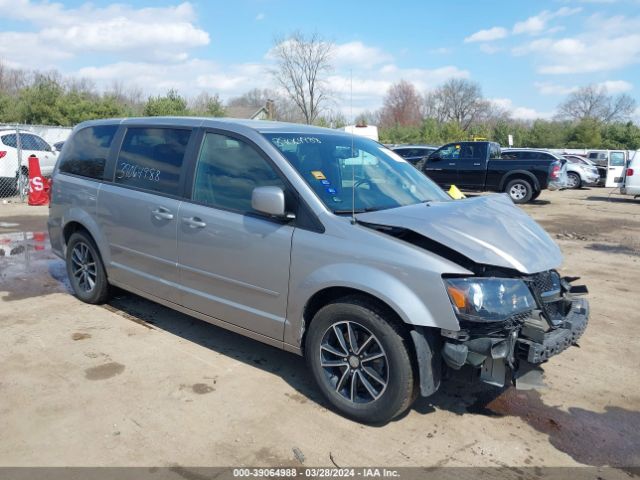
(361, 362)
(86, 272)
(519, 190)
(573, 180)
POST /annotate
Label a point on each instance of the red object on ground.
(37, 192)
(38, 239)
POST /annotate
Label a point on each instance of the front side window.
(350, 172)
(151, 159)
(228, 170)
(33, 142)
(451, 152)
(87, 151)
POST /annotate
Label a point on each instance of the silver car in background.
(318, 242)
(581, 172)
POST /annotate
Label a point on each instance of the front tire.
(360, 361)
(85, 269)
(519, 190)
(573, 180)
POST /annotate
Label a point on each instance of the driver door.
(442, 165)
(233, 263)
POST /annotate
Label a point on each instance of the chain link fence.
(17, 143)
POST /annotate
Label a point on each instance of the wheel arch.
(79, 220)
(522, 175)
(328, 295)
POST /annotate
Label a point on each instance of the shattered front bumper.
(508, 351)
(558, 340)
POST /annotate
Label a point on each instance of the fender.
(505, 178)
(79, 215)
(380, 284)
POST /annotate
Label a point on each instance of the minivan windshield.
(355, 173)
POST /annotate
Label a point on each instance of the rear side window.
(473, 151)
(87, 151)
(511, 155)
(228, 170)
(28, 141)
(10, 140)
(403, 152)
(616, 159)
(151, 159)
(494, 151)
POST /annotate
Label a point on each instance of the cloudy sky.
(527, 55)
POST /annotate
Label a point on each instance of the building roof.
(245, 112)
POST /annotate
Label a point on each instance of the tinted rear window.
(151, 159)
(87, 151)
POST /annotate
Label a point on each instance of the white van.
(631, 181)
(367, 131)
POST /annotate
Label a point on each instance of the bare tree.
(457, 100)
(402, 106)
(255, 98)
(594, 102)
(301, 66)
(82, 87)
(131, 96)
(13, 80)
(207, 105)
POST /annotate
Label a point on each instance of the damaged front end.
(509, 326)
(514, 310)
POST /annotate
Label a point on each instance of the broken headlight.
(489, 299)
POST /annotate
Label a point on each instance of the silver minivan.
(322, 243)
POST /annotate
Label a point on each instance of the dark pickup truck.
(480, 166)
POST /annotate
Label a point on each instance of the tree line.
(589, 117)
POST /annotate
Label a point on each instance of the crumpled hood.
(490, 230)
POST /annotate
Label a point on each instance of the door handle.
(194, 222)
(451, 164)
(477, 164)
(162, 213)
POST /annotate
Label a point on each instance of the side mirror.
(435, 156)
(269, 200)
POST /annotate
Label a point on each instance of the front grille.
(546, 286)
(545, 282)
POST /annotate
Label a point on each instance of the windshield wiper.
(357, 210)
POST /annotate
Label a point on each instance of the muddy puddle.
(28, 267)
(608, 438)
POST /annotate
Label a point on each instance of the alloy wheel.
(83, 267)
(518, 191)
(354, 362)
